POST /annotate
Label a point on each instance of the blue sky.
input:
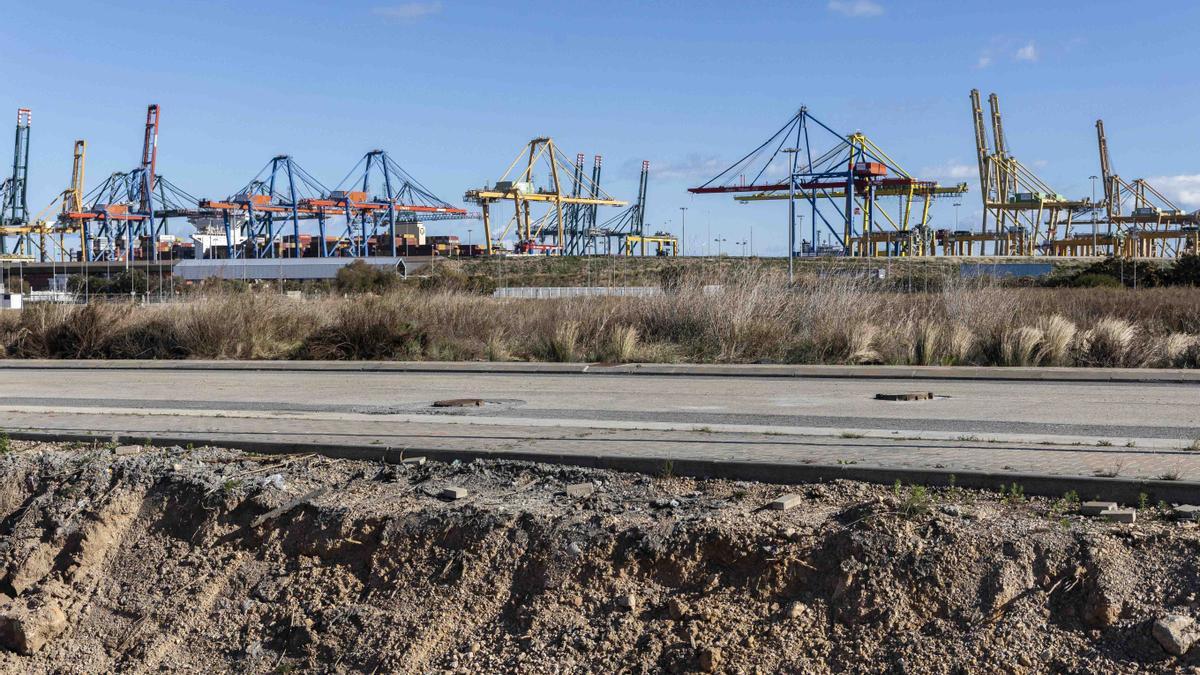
(452, 89)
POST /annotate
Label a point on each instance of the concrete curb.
(1122, 490)
(1108, 375)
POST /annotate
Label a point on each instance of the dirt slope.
(149, 559)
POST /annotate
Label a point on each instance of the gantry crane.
(128, 209)
(1153, 226)
(14, 202)
(567, 187)
(283, 193)
(842, 183)
(1022, 215)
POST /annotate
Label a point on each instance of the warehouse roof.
(276, 268)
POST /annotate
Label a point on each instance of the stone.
(26, 630)
(580, 490)
(1186, 512)
(1096, 508)
(453, 493)
(785, 502)
(125, 450)
(710, 659)
(677, 609)
(413, 461)
(628, 601)
(1120, 515)
(1176, 633)
(796, 610)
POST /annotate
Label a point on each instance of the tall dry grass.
(752, 317)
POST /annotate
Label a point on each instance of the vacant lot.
(753, 316)
(214, 560)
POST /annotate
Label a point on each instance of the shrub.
(370, 329)
(1095, 280)
(360, 277)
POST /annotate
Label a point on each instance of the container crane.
(567, 187)
(842, 183)
(1022, 215)
(14, 202)
(1153, 226)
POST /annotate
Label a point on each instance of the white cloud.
(857, 8)
(409, 11)
(952, 170)
(1184, 190)
(1028, 53)
(692, 168)
(984, 61)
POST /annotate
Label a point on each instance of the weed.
(230, 485)
(896, 488)
(1173, 474)
(917, 502)
(1012, 494)
(1104, 443)
(1194, 446)
(5, 443)
(667, 470)
(850, 434)
(1130, 444)
(967, 439)
(1143, 501)
(1072, 498)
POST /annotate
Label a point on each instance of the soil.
(211, 560)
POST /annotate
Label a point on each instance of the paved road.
(1131, 429)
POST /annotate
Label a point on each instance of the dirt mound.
(208, 560)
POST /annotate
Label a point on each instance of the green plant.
(1071, 497)
(1012, 494)
(917, 502)
(1104, 444)
(1173, 474)
(850, 434)
(1143, 500)
(896, 488)
(230, 485)
(5, 443)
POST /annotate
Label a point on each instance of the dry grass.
(752, 317)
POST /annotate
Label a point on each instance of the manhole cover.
(906, 396)
(459, 403)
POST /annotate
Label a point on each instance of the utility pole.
(1094, 239)
(683, 227)
(956, 205)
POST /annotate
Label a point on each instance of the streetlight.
(683, 227)
(1094, 242)
(719, 241)
(791, 211)
(956, 205)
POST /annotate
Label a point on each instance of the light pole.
(683, 228)
(1094, 242)
(470, 239)
(719, 241)
(956, 205)
(791, 212)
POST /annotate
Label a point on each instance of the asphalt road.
(1131, 429)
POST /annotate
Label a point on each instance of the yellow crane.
(68, 201)
(1024, 213)
(568, 187)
